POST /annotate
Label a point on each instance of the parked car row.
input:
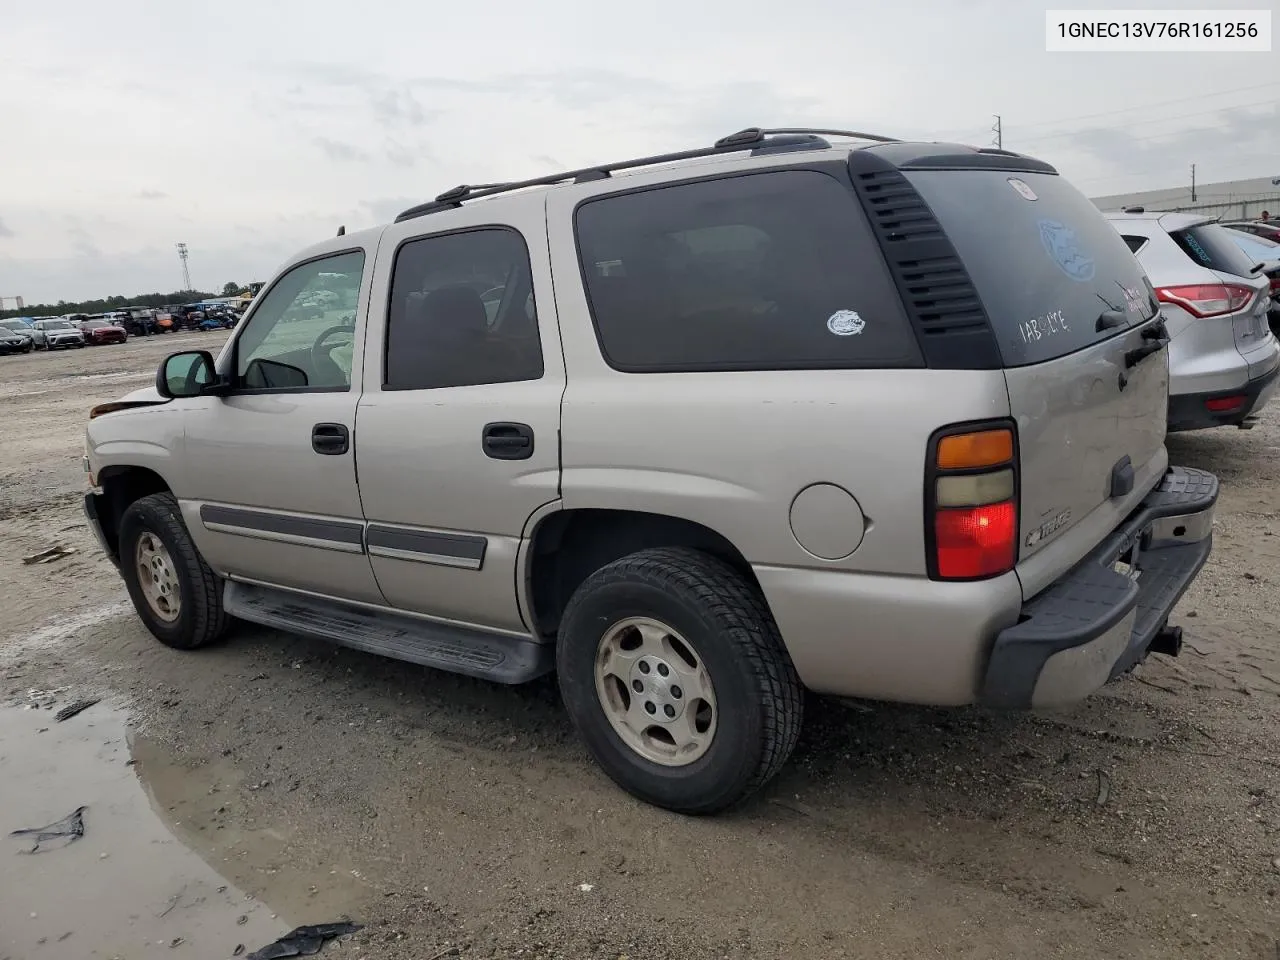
(75, 330)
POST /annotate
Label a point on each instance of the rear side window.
(1044, 260)
(462, 312)
(1211, 246)
(1135, 243)
(765, 271)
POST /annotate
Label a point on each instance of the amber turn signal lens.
(985, 448)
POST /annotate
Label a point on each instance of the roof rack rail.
(756, 139)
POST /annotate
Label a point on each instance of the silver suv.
(1223, 359)
(697, 432)
(56, 334)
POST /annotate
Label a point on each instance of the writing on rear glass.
(1044, 326)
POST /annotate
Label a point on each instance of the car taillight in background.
(971, 502)
(1205, 300)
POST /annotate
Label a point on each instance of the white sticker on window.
(1047, 325)
(845, 323)
(1023, 189)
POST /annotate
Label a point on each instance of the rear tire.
(698, 622)
(175, 593)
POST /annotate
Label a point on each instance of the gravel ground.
(457, 818)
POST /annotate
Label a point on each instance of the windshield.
(94, 324)
(1044, 260)
(14, 325)
(56, 325)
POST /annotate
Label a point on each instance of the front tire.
(672, 669)
(175, 593)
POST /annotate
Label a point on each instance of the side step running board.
(457, 649)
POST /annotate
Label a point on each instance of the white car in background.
(1223, 358)
(57, 333)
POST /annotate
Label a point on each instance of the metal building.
(1232, 199)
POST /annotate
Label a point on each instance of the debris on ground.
(70, 827)
(56, 552)
(304, 941)
(1104, 789)
(74, 709)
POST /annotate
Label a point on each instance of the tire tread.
(737, 606)
(209, 621)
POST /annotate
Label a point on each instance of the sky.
(248, 130)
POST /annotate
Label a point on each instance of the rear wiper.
(1109, 319)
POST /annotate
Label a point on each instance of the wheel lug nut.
(669, 710)
(637, 686)
(644, 666)
(649, 707)
(663, 670)
(677, 692)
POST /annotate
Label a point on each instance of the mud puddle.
(128, 887)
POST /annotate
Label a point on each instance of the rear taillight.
(1207, 299)
(1232, 404)
(971, 502)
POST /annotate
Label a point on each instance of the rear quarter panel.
(731, 451)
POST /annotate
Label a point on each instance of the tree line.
(117, 302)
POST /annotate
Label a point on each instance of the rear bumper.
(1190, 411)
(1097, 622)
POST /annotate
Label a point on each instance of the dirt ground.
(285, 782)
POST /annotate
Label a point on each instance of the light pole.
(186, 274)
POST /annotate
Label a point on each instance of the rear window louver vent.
(935, 287)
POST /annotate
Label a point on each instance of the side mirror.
(186, 374)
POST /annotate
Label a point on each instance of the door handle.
(507, 441)
(330, 439)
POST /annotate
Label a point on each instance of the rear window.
(1257, 249)
(1211, 246)
(765, 271)
(1043, 259)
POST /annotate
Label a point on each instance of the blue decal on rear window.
(1061, 244)
(1198, 250)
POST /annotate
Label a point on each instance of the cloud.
(1147, 159)
(4, 230)
(398, 107)
(376, 120)
(337, 150)
(388, 208)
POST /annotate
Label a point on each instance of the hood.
(143, 395)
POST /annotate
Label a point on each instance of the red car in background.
(102, 331)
